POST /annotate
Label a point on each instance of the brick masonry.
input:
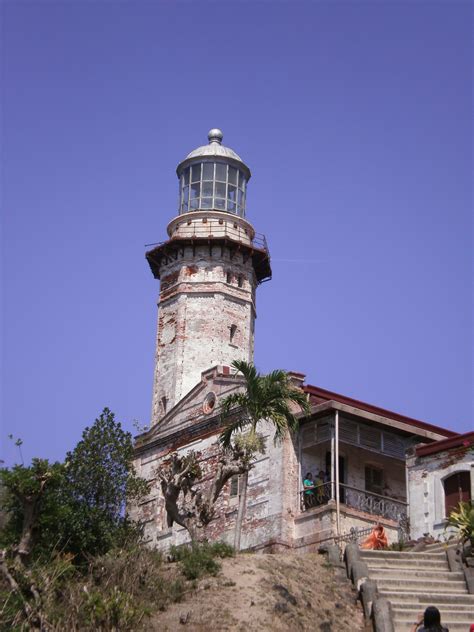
(206, 316)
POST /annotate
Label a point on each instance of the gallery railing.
(369, 502)
(374, 504)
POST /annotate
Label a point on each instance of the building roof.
(466, 439)
(319, 395)
(215, 149)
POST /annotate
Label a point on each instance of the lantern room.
(213, 177)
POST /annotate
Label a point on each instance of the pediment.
(200, 403)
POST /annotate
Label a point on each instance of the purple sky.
(356, 121)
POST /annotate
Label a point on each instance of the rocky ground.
(256, 592)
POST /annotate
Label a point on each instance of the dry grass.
(136, 590)
(267, 592)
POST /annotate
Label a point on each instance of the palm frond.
(264, 397)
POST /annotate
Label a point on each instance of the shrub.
(117, 591)
(462, 519)
(197, 560)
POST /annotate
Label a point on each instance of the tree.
(265, 397)
(187, 502)
(100, 480)
(77, 506)
(25, 490)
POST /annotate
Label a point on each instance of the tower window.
(229, 277)
(232, 330)
(164, 403)
(240, 280)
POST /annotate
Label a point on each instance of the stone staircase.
(412, 581)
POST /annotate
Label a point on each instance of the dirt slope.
(267, 592)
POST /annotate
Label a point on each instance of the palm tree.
(265, 397)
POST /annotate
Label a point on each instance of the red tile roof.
(319, 395)
(466, 439)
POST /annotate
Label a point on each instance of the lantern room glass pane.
(241, 180)
(232, 175)
(206, 202)
(196, 174)
(221, 172)
(208, 171)
(186, 176)
(220, 189)
(185, 194)
(220, 204)
(195, 189)
(231, 206)
(194, 204)
(207, 189)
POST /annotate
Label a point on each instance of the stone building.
(440, 475)
(209, 269)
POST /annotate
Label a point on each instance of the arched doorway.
(457, 488)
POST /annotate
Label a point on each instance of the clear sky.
(356, 121)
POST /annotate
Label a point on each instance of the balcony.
(354, 498)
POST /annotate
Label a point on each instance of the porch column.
(333, 464)
(336, 468)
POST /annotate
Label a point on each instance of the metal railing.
(354, 535)
(213, 229)
(315, 496)
(372, 503)
(360, 499)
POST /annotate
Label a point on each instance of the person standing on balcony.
(319, 483)
(308, 485)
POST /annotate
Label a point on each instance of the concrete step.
(439, 564)
(440, 546)
(425, 598)
(414, 573)
(446, 615)
(454, 626)
(423, 585)
(403, 555)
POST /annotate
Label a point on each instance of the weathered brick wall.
(206, 317)
(425, 488)
(262, 523)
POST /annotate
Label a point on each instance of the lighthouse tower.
(209, 269)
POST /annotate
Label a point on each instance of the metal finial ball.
(215, 135)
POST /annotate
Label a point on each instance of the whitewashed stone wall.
(425, 488)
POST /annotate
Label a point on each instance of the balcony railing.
(375, 504)
(360, 499)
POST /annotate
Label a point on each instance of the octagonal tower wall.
(206, 317)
